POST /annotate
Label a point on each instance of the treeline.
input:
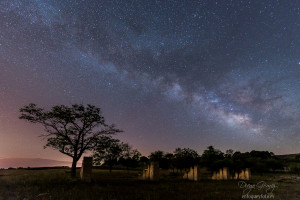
(184, 158)
(77, 129)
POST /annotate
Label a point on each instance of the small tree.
(156, 155)
(108, 152)
(143, 161)
(112, 151)
(130, 157)
(164, 159)
(168, 161)
(71, 130)
(229, 153)
(212, 158)
(185, 158)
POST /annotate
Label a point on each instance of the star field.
(169, 73)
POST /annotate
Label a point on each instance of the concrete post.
(154, 171)
(86, 169)
(226, 174)
(247, 174)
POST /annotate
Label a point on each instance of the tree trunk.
(73, 170)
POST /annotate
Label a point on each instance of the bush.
(295, 169)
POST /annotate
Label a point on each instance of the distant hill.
(288, 155)
(31, 162)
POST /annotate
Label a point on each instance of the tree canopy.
(185, 158)
(70, 130)
(112, 151)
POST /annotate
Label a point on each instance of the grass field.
(56, 184)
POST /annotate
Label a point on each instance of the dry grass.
(57, 185)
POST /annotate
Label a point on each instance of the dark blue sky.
(169, 73)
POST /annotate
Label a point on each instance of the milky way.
(169, 73)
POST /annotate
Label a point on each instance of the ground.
(56, 184)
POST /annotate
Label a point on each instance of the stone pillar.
(193, 174)
(214, 176)
(242, 175)
(247, 174)
(190, 174)
(185, 175)
(154, 171)
(220, 176)
(217, 175)
(196, 173)
(145, 175)
(225, 174)
(236, 175)
(86, 169)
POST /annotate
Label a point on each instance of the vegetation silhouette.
(214, 159)
(70, 130)
(77, 129)
(185, 158)
(112, 151)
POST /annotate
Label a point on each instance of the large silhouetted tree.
(71, 130)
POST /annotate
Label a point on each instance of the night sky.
(169, 73)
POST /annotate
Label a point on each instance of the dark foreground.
(57, 185)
